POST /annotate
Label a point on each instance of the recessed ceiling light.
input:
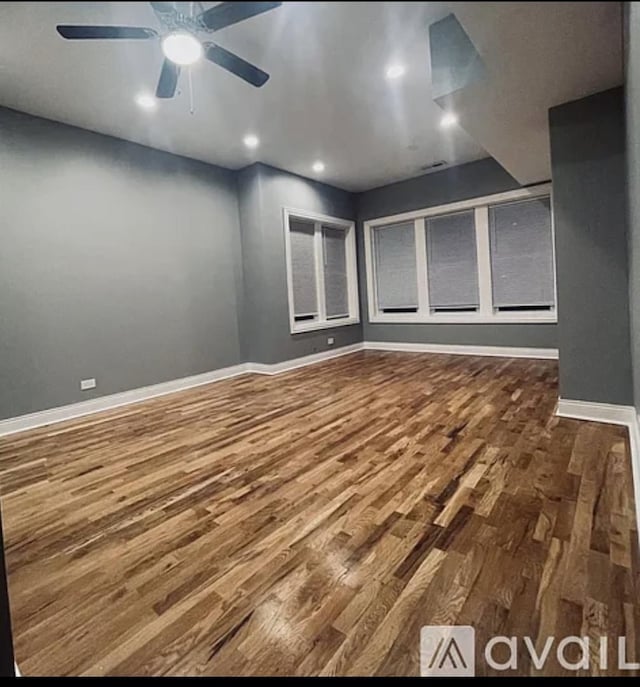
(318, 167)
(395, 71)
(146, 101)
(448, 120)
(182, 48)
(251, 141)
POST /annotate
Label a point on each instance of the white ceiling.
(328, 97)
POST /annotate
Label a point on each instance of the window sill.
(466, 318)
(328, 324)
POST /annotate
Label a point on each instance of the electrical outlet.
(330, 341)
(86, 384)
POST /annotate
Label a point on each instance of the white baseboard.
(596, 412)
(96, 405)
(286, 365)
(459, 349)
(634, 442)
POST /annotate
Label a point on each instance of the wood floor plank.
(312, 522)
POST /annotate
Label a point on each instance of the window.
(303, 269)
(522, 255)
(488, 259)
(395, 257)
(321, 271)
(452, 263)
(336, 282)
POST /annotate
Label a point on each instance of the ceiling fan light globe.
(182, 48)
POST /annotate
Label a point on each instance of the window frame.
(486, 313)
(318, 220)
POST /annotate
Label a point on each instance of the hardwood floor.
(312, 522)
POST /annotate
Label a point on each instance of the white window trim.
(352, 270)
(485, 314)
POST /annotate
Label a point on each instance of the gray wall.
(116, 262)
(263, 192)
(633, 163)
(200, 261)
(472, 180)
(455, 63)
(590, 211)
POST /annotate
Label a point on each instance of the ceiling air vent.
(433, 165)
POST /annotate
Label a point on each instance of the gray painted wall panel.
(590, 211)
(264, 191)
(253, 318)
(117, 262)
(520, 335)
(455, 63)
(633, 162)
(472, 180)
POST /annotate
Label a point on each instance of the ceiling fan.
(180, 44)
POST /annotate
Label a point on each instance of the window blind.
(334, 244)
(303, 268)
(395, 267)
(452, 264)
(522, 254)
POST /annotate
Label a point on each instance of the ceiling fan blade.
(227, 13)
(236, 65)
(108, 32)
(168, 81)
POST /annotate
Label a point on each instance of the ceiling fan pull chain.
(192, 108)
